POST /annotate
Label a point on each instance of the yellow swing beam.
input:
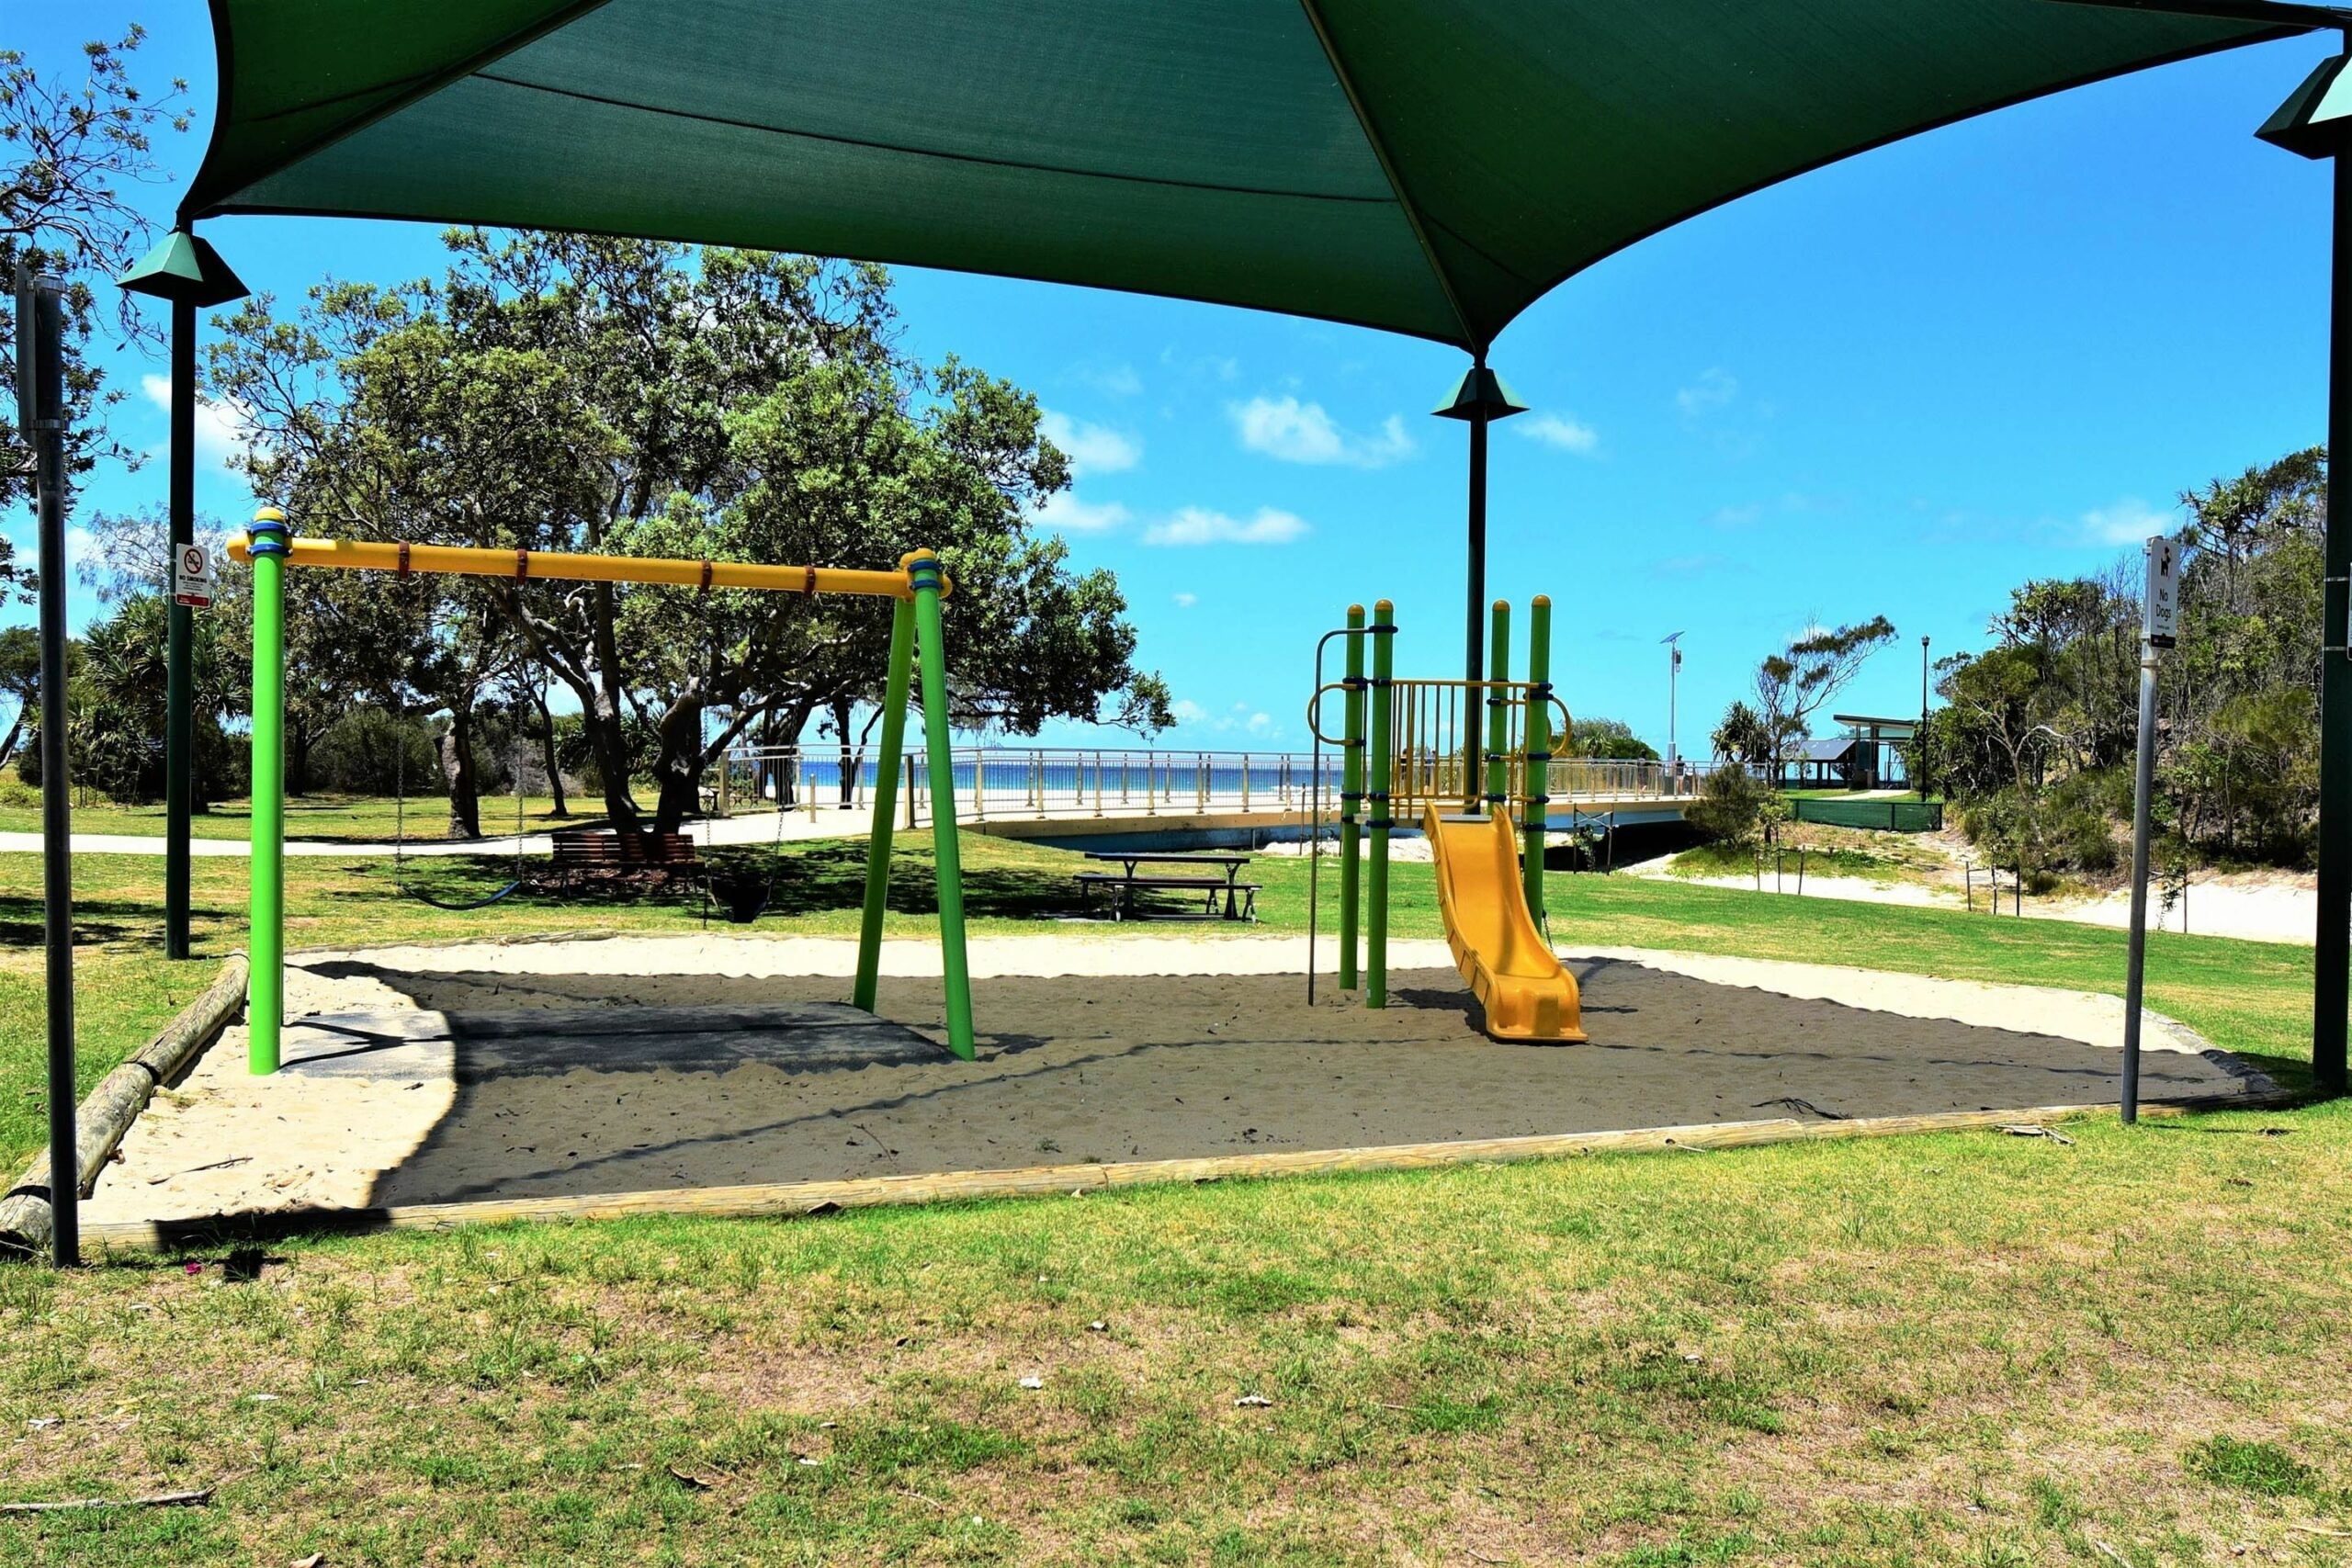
(361, 554)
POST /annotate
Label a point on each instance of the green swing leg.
(886, 802)
(930, 582)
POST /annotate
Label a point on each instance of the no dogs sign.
(192, 583)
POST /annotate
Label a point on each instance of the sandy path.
(2268, 907)
(437, 1074)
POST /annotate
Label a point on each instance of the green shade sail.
(1423, 167)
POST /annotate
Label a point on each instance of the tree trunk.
(299, 741)
(16, 733)
(678, 771)
(455, 745)
(849, 759)
(547, 750)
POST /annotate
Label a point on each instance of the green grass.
(314, 818)
(1959, 1349)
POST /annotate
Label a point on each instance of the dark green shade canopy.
(183, 268)
(1423, 167)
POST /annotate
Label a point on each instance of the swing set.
(917, 587)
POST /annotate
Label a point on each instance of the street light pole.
(1673, 673)
(1923, 720)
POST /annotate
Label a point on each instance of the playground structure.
(916, 588)
(1418, 744)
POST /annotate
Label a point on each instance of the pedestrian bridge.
(1061, 792)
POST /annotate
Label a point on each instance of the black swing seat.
(459, 907)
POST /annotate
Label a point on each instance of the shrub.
(1731, 807)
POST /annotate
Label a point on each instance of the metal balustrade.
(1039, 783)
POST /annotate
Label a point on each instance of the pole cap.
(267, 535)
(927, 563)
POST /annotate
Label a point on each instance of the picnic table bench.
(1221, 884)
(616, 856)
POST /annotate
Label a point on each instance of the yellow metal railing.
(1443, 738)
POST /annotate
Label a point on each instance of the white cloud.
(220, 423)
(1557, 429)
(1065, 512)
(1113, 380)
(1091, 448)
(1199, 526)
(2127, 522)
(1185, 600)
(1715, 388)
(1302, 432)
(1241, 719)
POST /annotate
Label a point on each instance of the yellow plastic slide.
(1496, 944)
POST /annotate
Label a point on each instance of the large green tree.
(562, 393)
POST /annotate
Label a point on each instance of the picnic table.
(1217, 876)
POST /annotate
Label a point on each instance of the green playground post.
(1351, 794)
(266, 982)
(923, 572)
(1384, 662)
(885, 801)
(1498, 709)
(1538, 779)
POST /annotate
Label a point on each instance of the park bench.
(1223, 896)
(615, 857)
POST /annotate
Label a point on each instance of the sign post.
(40, 417)
(2159, 621)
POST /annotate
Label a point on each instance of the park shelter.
(1429, 167)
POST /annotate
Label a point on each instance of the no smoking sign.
(192, 583)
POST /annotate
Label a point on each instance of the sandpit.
(547, 1070)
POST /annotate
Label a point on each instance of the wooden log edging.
(107, 1113)
(785, 1200)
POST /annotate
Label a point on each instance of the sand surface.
(541, 1068)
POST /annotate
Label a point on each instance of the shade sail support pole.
(1475, 550)
(179, 701)
(2314, 122)
(2332, 961)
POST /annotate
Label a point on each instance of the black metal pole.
(1474, 621)
(46, 403)
(179, 716)
(1923, 721)
(2332, 959)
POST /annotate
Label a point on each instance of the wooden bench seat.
(613, 856)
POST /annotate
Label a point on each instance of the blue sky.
(1896, 386)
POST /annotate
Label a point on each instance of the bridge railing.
(1042, 782)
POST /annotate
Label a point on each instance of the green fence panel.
(1883, 815)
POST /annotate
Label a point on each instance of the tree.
(561, 392)
(115, 710)
(1608, 737)
(20, 681)
(66, 152)
(1794, 685)
(1731, 807)
(1742, 737)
